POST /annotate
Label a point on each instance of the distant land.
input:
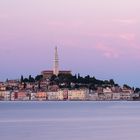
(61, 85)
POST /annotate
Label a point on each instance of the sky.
(99, 38)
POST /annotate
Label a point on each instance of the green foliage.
(126, 86)
(21, 79)
(38, 78)
(53, 78)
(31, 79)
(111, 81)
(72, 81)
(137, 90)
(26, 80)
(65, 80)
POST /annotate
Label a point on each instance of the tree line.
(75, 81)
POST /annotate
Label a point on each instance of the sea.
(70, 120)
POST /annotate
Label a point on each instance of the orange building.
(41, 95)
(20, 96)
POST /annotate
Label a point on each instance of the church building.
(48, 73)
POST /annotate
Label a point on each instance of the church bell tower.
(56, 63)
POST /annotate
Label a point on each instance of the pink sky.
(100, 38)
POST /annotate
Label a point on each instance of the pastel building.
(33, 96)
(93, 96)
(7, 95)
(126, 94)
(21, 96)
(12, 96)
(116, 96)
(101, 96)
(2, 95)
(107, 93)
(58, 95)
(41, 96)
(65, 94)
(81, 94)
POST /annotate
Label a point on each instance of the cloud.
(128, 36)
(107, 51)
(126, 21)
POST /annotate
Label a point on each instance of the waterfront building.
(65, 94)
(78, 94)
(136, 96)
(101, 96)
(7, 95)
(93, 95)
(2, 95)
(58, 95)
(12, 96)
(116, 96)
(33, 96)
(41, 96)
(21, 96)
(126, 94)
(107, 93)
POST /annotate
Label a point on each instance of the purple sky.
(96, 37)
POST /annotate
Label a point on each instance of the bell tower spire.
(56, 63)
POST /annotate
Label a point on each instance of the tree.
(53, 78)
(26, 80)
(74, 79)
(87, 79)
(126, 86)
(112, 82)
(137, 90)
(38, 77)
(25, 85)
(7, 80)
(31, 79)
(106, 82)
(21, 79)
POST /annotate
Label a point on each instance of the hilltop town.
(65, 87)
(61, 85)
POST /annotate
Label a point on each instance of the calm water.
(69, 120)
